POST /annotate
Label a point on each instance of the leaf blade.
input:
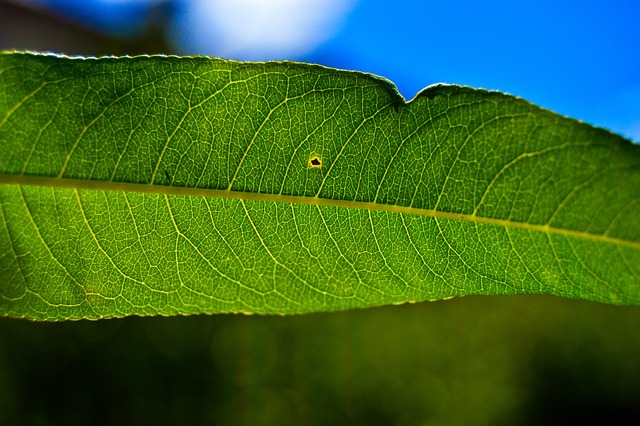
(382, 219)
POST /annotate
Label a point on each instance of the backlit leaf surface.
(165, 185)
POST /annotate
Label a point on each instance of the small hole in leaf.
(315, 162)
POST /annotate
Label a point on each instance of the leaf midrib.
(56, 182)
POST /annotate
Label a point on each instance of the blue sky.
(578, 58)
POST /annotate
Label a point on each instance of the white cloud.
(259, 29)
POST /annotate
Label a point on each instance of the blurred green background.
(468, 361)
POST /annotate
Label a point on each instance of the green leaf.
(166, 185)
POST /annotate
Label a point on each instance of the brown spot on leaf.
(315, 162)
